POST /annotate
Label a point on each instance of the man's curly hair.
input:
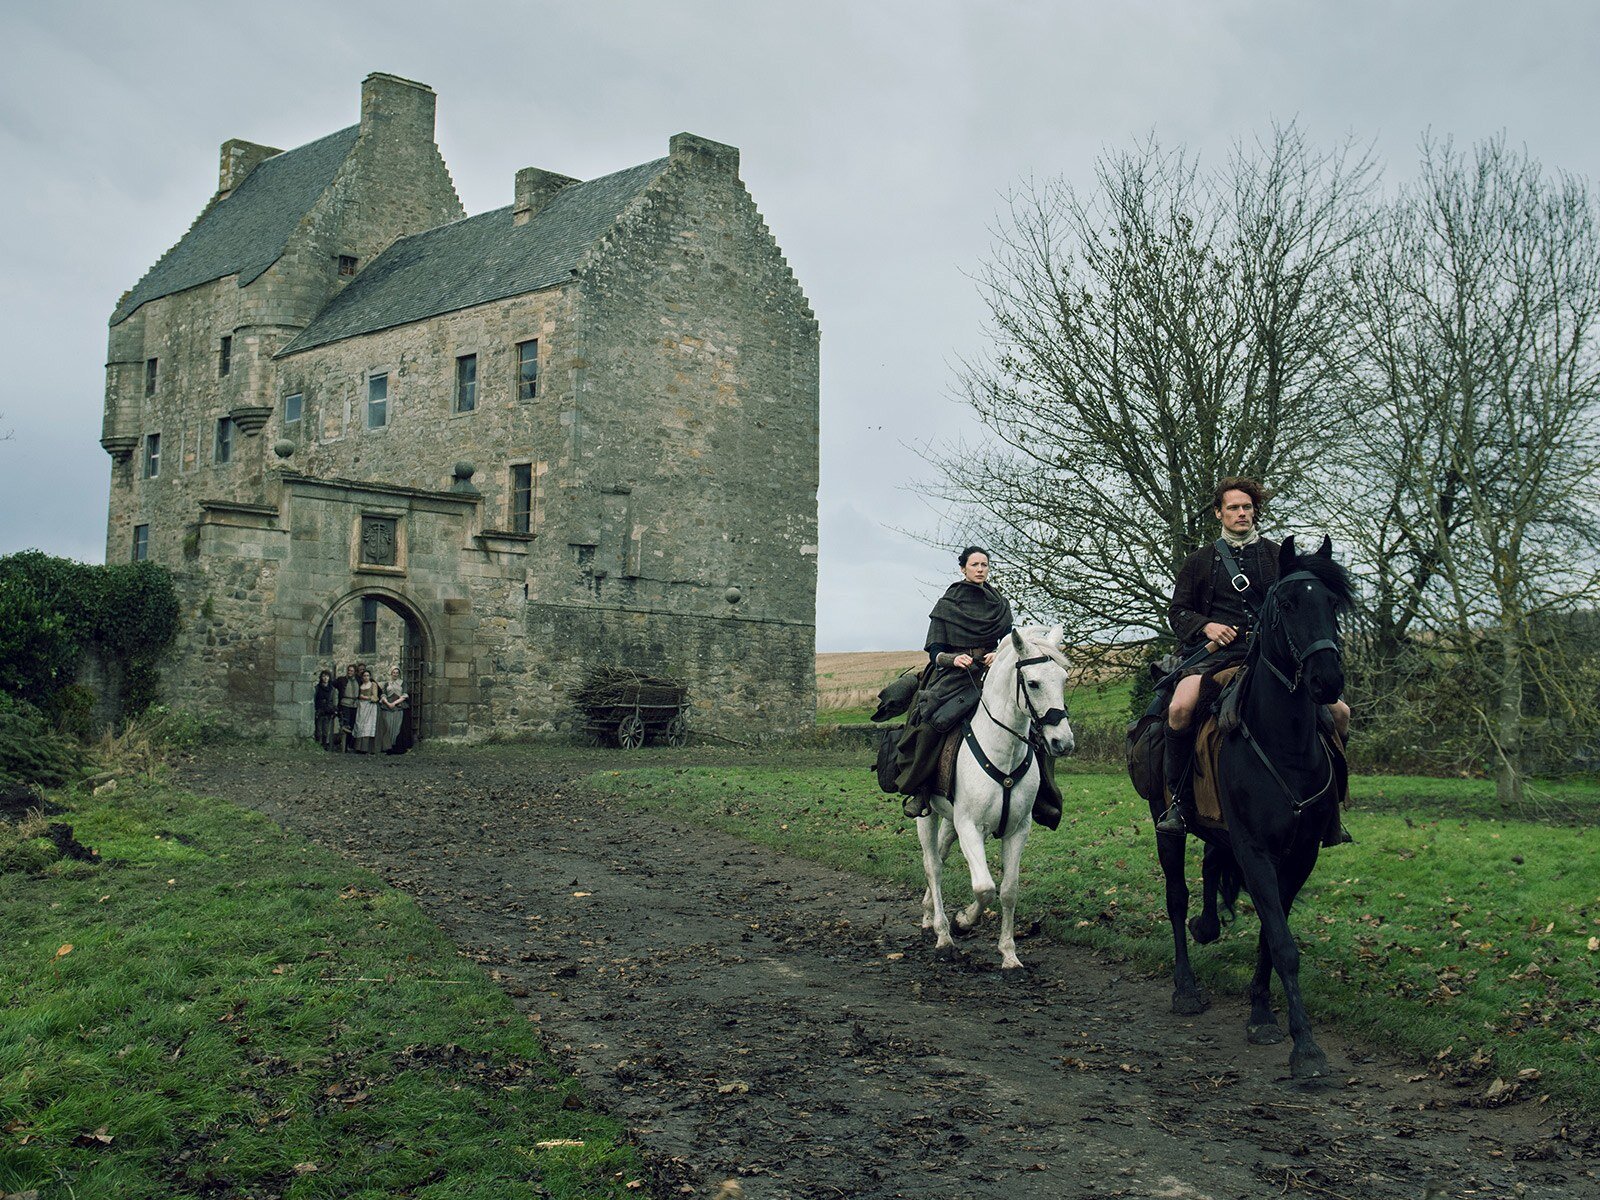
(1241, 483)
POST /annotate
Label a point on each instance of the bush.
(37, 647)
(72, 710)
(53, 610)
(30, 751)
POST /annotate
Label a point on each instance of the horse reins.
(1009, 779)
(1273, 612)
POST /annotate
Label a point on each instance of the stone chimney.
(395, 107)
(691, 150)
(239, 158)
(535, 189)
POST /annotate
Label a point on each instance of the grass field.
(218, 1009)
(848, 686)
(1472, 944)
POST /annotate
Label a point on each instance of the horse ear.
(1017, 643)
(1286, 554)
(1056, 637)
(1326, 549)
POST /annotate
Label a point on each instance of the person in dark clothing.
(1214, 604)
(964, 628)
(325, 706)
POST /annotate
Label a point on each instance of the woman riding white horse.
(998, 770)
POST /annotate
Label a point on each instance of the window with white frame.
(377, 400)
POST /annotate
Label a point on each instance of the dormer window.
(347, 264)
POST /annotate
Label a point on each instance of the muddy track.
(755, 1016)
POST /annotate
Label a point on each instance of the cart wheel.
(677, 731)
(630, 733)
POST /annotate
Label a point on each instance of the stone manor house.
(504, 450)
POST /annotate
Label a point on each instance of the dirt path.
(755, 1016)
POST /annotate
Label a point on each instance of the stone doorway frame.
(416, 655)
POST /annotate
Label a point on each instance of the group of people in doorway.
(1212, 617)
(355, 713)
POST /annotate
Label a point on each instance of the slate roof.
(476, 260)
(246, 233)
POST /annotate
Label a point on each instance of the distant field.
(851, 682)
(848, 686)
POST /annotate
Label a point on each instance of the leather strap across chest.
(1006, 779)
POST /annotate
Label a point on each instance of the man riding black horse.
(1213, 612)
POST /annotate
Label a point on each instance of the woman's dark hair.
(324, 675)
(970, 551)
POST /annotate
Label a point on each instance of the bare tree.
(1478, 396)
(1173, 327)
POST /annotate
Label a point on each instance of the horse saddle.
(1207, 743)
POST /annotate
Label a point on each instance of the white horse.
(997, 778)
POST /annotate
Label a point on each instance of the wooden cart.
(630, 709)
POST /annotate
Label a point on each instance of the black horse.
(1279, 791)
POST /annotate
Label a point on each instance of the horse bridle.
(1272, 612)
(1036, 721)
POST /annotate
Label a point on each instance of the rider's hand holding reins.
(1219, 633)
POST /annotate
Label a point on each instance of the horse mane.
(1332, 575)
(1035, 636)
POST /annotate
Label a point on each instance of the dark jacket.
(1204, 592)
(327, 700)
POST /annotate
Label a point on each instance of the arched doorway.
(382, 630)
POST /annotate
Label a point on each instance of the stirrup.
(1171, 821)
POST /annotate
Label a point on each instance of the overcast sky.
(878, 139)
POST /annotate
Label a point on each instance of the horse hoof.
(1204, 932)
(1263, 1035)
(947, 953)
(1190, 1004)
(1012, 972)
(1310, 1067)
(957, 929)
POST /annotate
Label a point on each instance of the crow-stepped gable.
(499, 450)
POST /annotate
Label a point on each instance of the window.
(522, 498)
(466, 383)
(152, 453)
(347, 264)
(527, 370)
(293, 408)
(141, 543)
(223, 450)
(150, 376)
(225, 355)
(377, 401)
(325, 646)
(369, 625)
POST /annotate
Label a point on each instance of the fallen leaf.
(895, 957)
(98, 1138)
(557, 1143)
(577, 895)
(66, 949)
(305, 1168)
(738, 1085)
